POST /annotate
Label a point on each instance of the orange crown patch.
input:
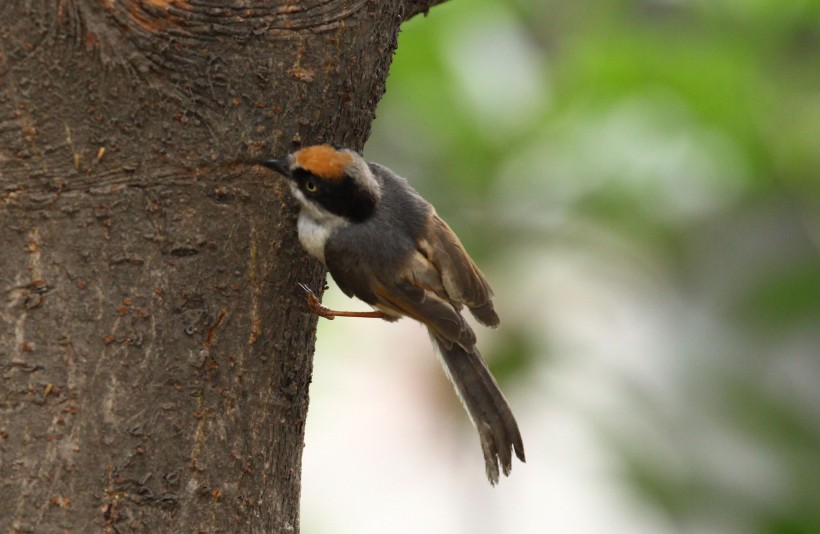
(324, 161)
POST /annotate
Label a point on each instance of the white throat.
(315, 225)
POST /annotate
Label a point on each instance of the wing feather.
(460, 278)
(409, 293)
(427, 308)
(428, 280)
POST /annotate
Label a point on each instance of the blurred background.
(640, 182)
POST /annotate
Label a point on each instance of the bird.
(384, 244)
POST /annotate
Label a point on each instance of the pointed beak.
(282, 166)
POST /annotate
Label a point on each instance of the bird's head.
(330, 181)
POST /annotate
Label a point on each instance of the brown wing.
(426, 307)
(430, 286)
(458, 279)
(400, 295)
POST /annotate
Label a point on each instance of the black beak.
(282, 166)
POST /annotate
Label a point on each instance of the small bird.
(386, 245)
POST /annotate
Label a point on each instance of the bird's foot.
(316, 307)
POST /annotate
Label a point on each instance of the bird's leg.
(316, 307)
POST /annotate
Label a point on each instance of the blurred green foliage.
(690, 133)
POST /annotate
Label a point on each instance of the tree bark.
(155, 350)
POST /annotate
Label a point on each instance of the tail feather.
(486, 314)
(486, 405)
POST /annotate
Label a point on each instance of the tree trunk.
(155, 350)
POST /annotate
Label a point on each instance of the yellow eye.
(310, 185)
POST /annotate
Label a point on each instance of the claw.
(305, 287)
(313, 303)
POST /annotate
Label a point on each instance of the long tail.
(486, 406)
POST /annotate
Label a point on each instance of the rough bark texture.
(155, 351)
